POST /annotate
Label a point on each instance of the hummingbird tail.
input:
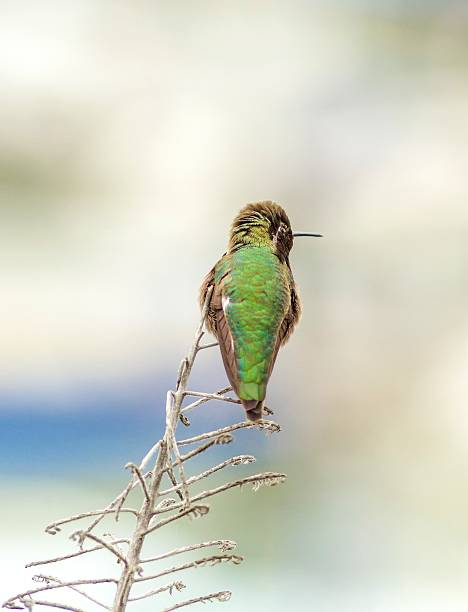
(253, 409)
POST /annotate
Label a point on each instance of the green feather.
(257, 285)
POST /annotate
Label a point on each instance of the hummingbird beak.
(296, 234)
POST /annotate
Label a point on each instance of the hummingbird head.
(264, 224)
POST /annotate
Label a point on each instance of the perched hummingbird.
(254, 305)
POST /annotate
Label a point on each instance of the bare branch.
(127, 577)
(220, 440)
(269, 479)
(178, 586)
(54, 528)
(82, 535)
(223, 439)
(50, 604)
(136, 470)
(48, 579)
(72, 555)
(223, 545)
(221, 596)
(98, 603)
(240, 460)
(50, 587)
(166, 457)
(213, 560)
(172, 478)
(173, 408)
(193, 511)
(212, 396)
(170, 432)
(264, 425)
(204, 400)
(117, 503)
(182, 366)
(207, 346)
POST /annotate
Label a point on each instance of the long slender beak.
(296, 234)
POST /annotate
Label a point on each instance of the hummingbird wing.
(208, 282)
(290, 320)
(217, 324)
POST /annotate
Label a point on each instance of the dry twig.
(221, 596)
(166, 457)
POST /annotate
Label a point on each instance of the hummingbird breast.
(255, 290)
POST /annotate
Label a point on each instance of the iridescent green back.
(256, 300)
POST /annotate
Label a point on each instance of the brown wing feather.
(289, 322)
(225, 340)
(210, 322)
(217, 324)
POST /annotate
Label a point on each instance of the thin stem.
(50, 587)
(220, 596)
(172, 478)
(204, 400)
(223, 545)
(213, 560)
(72, 555)
(48, 579)
(82, 535)
(240, 460)
(128, 573)
(212, 396)
(166, 457)
(173, 407)
(54, 528)
(170, 430)
(169, 587)
(203, 447)
(50, 604)
(269, 426)
(266, 478)
(117, 503)
(195, 511)
(136, 470)
(207, 346)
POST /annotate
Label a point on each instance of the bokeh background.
(131, 134)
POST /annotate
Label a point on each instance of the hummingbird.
(254, 305)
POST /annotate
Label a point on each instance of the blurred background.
(131, 134)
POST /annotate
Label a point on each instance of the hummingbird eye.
(284, 230)
(282, 235)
